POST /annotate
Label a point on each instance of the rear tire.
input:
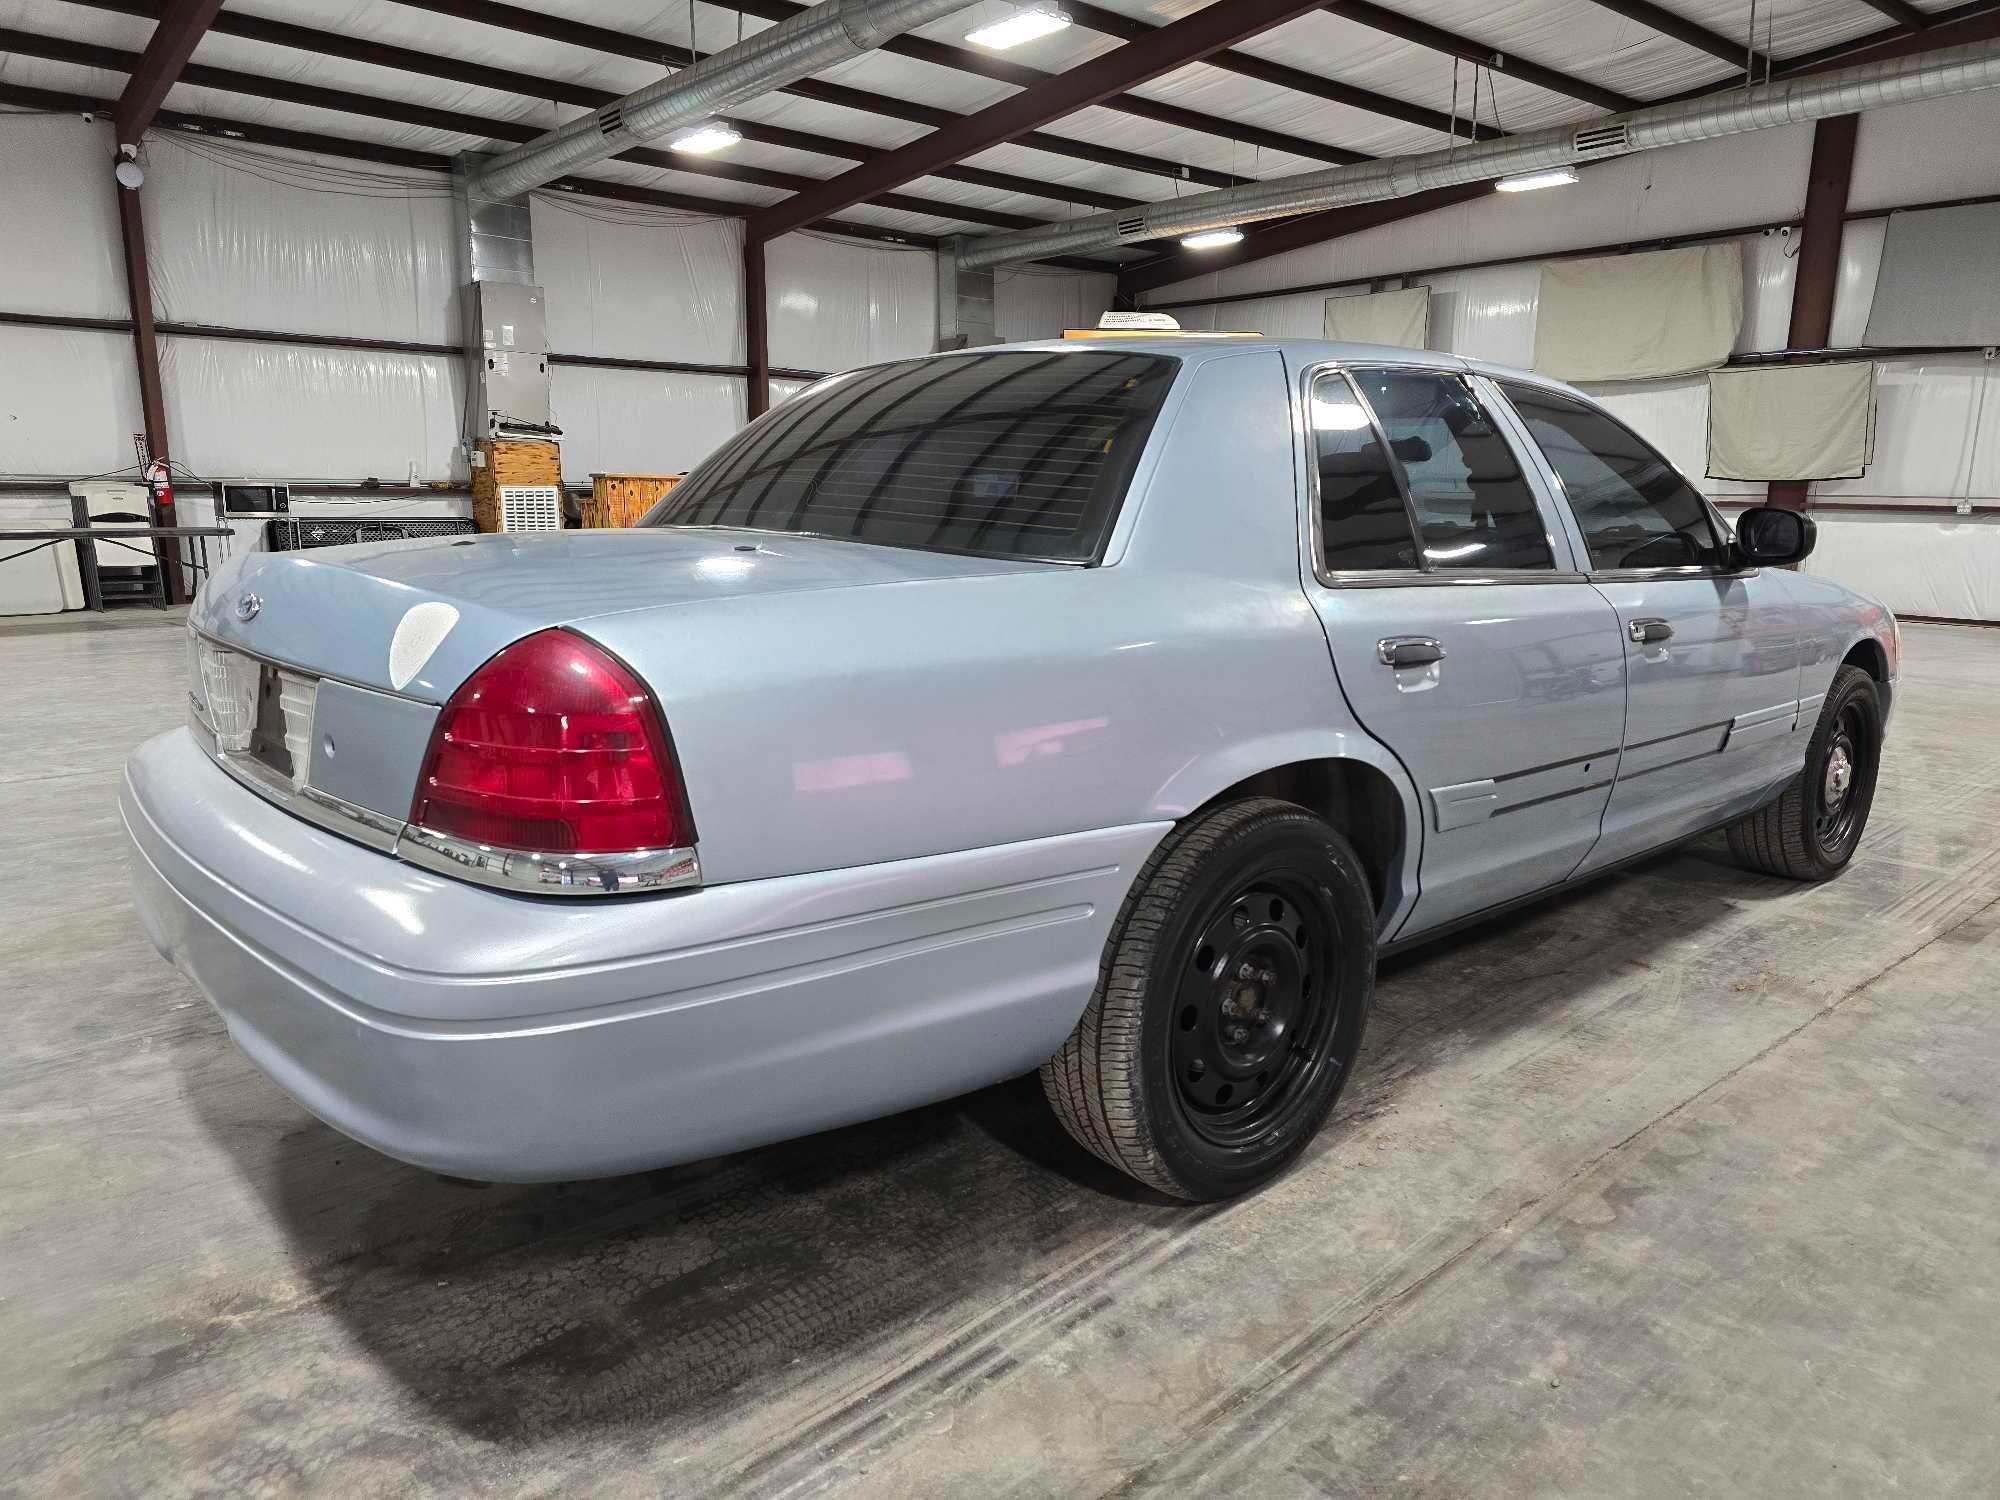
(1812, 830)
(1230, 1004)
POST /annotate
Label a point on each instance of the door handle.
(1645, 632)
(1408, 651)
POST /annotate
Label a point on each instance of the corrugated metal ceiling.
(1582, 38)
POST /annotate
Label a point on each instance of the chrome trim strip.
(549, 874)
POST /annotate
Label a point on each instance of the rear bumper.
(511, 1038)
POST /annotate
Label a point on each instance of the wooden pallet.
(621, 499)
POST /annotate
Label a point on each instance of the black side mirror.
(1772, 538)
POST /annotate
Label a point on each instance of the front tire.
(1229, 1006)
(1813, 829)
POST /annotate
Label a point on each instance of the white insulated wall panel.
(294, 413)
(1031, 302)
(1946, 567)
(69, 401)
(1937, 433)
(641, 421)
(59, 245)
(273, 240)
(836, 304)
(1926, 152)
(640, 290)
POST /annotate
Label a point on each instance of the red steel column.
(1819, 258)
(146, 348)
(756, 326)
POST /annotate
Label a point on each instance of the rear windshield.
(1007, 454)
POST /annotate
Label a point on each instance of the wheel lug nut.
(1267, 976)
(1245, 971)
(1238, 1034)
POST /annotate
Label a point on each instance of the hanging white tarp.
(1640, 317)
(1401, 319)
(1937, 283)
(1792, 421)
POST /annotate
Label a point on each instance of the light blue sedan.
(1106, 707)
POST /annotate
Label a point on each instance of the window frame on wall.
(1728, 565)
(1549, 508)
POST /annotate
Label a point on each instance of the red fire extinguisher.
(160, 485)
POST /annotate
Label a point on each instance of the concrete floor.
(1683, 1184)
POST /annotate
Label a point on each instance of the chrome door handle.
(1408, 651)
(1645, 632)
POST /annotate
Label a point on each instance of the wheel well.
(1353, 796)
(1870, 657)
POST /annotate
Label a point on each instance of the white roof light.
(1210, 239)
(709, 135)
(1527, 182)
(1025, 24)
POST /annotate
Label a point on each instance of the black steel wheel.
(1230, 1005)
(1813, 829)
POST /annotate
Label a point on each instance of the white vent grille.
(611, 119)
(530, 507)
(1131, 226)
(1602, 140)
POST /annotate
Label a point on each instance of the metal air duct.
(809, 41)
(1930, 75)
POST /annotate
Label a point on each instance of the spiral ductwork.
(805, 44)
(1931, 75)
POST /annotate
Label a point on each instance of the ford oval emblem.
(247, 607)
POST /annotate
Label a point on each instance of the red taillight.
(553, 746)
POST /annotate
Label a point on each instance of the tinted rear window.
(1009, 454)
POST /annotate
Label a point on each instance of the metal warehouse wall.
(259, 239)
(1938, 416)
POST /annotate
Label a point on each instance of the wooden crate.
(516, 462)
(620, 499)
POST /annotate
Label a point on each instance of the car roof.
(1196, 348)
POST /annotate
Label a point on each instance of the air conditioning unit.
(530, 507)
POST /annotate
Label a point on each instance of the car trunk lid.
(416, 618)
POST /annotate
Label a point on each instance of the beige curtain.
(1640, 317)
(1792, 421)
(1402, 319)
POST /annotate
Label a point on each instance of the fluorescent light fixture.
(1527, 182)
(1210, 239)
(1025, 24)
(709, 135)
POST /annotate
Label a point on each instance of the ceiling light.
(1210, 239)
(1025, 24)
(1527, 182)
(709, 135)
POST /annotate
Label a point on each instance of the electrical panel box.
(511, 393)
(512, 317)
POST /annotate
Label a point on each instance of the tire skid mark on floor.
(1230, 1427)
(1015, 1331)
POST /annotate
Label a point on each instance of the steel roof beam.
(1437, 39)
(181, 26)
(1193, 37)
(624, 44)
(1738, 54)
(536, 86)
(259, 86)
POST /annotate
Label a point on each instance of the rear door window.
(1471, 502)
(1363, 522)
(1632, 506)
(1007, 454)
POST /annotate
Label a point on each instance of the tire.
(1229, 1006)
(1812, 830)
